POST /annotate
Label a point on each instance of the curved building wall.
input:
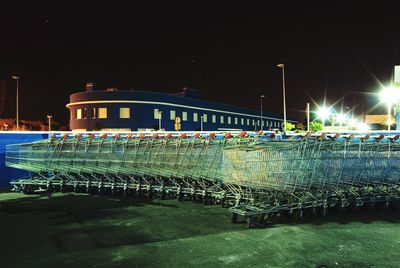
(133, 110)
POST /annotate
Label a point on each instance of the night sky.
(227, 51)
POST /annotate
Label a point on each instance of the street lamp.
(49, 117)
(352, 123)
(281, 65)
(341, 118)
(261, 110)
(17, 78)
(389, 96)
(323, 114)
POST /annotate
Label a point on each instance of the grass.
(78, 230)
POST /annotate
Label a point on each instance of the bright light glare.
(363, 127)
(389, 95)
(323, 113)
(340, 118)
(352, 122)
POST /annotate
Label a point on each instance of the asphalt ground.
(79, 230)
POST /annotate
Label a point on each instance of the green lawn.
(78, 230)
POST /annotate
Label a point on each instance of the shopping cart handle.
(395, 138)
(366, 137)
(380, 137)
(349, 138)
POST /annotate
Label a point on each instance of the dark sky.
(226, 50)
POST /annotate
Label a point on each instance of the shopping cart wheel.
(27, 189)
(249, 222)
(324, 211)
(125, 192)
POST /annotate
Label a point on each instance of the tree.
(289, 126)
(315, 126)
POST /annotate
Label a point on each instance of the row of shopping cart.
(255, 173)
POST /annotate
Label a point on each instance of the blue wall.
(8, 174)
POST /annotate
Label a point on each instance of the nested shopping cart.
(255, 173)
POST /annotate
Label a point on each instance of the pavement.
(80, 230)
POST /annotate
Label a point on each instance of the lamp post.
(17, 112)
(308, 116)
(281, 65)
(261, 110)
(49, 117)
(159, 120)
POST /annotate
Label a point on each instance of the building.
(380, 121)
(132, 110)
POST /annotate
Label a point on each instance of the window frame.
(129, 112)
(99, 113)
(79, 113)
(172, 115)
(204, 118)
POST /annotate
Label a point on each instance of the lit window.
(172, 115)
(222, 119)
(236, 120)
(242, 121)
(279, 124)
(229, 120)
(102, 113)
(258, 122)
(274, 124)
(124, 112)
(184, 116)
(93, 113)
(157, 114)
(254, 122)
(84, 113)
(205, 118)
(79, 114)
(195, 117)
(248, 122)
(214, 119)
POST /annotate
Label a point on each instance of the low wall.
(7, 137)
